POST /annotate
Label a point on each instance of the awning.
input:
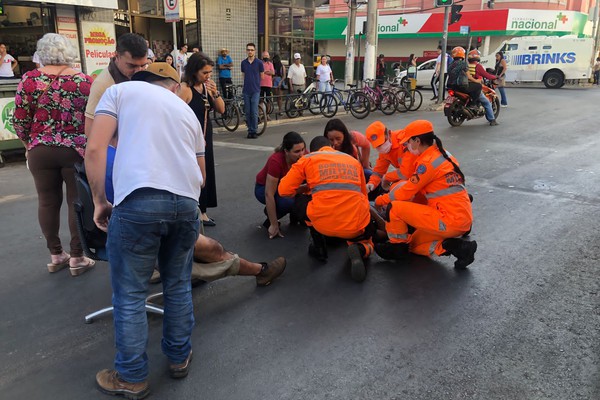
(111, 4)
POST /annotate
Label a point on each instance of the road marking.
(243, 146)
(10, 197)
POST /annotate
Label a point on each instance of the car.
(424, 73)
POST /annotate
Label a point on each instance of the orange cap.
(416, 128)
(375, 133)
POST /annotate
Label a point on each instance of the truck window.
(532, 48)
(547, 47)
(510, 47)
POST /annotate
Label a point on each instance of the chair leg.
(150, 307)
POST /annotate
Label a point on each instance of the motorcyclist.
(459, 78)
(478, 71)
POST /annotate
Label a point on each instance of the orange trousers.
(431, 228)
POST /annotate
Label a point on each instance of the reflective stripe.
(376, 174)
(438, 161)
(442, 226)
(445, 192)
(433, 246)
(337, 186)
(315, 153)
(398, 186)
(402, 177)
(396, 236)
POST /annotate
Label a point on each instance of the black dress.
(208, 195)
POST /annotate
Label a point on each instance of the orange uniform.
(398, 157)
(339, 205)
(448, 211)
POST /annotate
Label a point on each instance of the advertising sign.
(66, 25)
(99, 45)
(7, 109)
(171, 10)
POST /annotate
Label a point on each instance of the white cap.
(297, 56)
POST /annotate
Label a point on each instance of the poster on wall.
(99, 45)
(66, 25)
(7, 109)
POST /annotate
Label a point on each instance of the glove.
(370, 187)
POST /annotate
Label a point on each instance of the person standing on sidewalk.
(225, 65)
(152, 171)
(266, 83)
(297, 75)
(253, 71)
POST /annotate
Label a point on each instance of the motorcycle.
(458, 106)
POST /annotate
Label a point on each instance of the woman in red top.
(352, 143)
(49, 119)
(267, 180)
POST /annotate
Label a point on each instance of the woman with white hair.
(49, 119)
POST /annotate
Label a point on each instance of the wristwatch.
(217, 95)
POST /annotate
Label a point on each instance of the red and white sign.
(66, 25)
(171, 10)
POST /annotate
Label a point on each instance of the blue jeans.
(251, 111)
(151, 225)
(489, 113)
(283, 205)
(503, 99)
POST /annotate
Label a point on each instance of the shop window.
(144, 7)
(304, 3)
(303, 22)
(280, 21)
(189, 9)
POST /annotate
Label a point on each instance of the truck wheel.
(554, 79)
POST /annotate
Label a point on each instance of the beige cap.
(161, 69)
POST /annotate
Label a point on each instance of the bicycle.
(404, 99)
(385, 100)
(415, 96)
(356, 102)
(234, 112)
(296, 103)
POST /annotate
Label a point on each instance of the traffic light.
(455, 15)
(443, 3)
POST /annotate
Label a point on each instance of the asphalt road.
(522, 323)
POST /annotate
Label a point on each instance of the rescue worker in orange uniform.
(447, 214)
(337, 206)
(391, 152)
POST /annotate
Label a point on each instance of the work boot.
(270, 271)
(356, 252)
(178, 371)
(109, 382)
(318, 247)
(391, 251)
(493, 122)
(463, 250)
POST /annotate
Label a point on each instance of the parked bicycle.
(356, 102)
(296, 103)
(234, 112)
(385, 100)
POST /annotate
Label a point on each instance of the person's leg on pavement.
(253, 120)
(179, 234)
(434, 86)
(489, 112)
(503, 98)
(248, 114)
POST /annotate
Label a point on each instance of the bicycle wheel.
(262, 120)
(403, 100)
(328, 105)
(290, 106)
(388, 102)
(218, 118)
(313, 103)
(417, 100)
(359, 104)
(373, 101)
(231, 117)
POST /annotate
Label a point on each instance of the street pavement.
(522, 323)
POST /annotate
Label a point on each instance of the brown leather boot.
(271, 270)
(109, 382)
(178, 371)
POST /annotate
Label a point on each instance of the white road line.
(243, 146)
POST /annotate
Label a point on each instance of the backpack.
(456, 76)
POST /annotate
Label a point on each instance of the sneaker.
(503, 105)
(391, 251)
(270, 271)
(434, 98)
(463, 250)
(251, 136)
(178, 371)
(109, 382)
(493, 122)
(357, 265)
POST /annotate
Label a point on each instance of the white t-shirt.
(181, 62)
(36, 59)
(324, 73)
(297, 74)
(6, 67)
(158, 140)
(150, 53)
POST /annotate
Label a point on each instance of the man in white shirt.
(297, 75)
(7, 63)
(435, 79)
(157, 178)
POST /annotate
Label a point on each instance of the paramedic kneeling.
(447, 214)
(338, 205)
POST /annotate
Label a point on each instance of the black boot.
(391, 251)
(318, 247)
(356, 253)
(463, 250)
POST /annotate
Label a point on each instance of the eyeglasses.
(250, 50)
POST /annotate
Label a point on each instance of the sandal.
(52, 267)
(82, 268)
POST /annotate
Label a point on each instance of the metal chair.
(93, 240)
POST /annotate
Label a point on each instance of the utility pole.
(350, 32)
(371, 41)
(443, 66)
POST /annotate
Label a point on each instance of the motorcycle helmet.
(458, 52)
(474, 55)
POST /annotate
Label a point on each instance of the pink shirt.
(267, 80)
